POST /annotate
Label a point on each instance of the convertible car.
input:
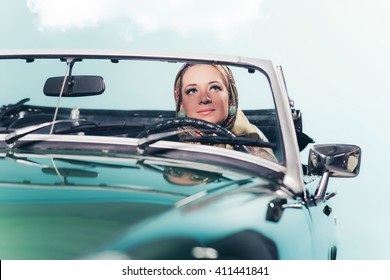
(95, 164)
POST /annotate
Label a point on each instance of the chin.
(211, 119)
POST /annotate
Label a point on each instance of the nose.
(204, 98)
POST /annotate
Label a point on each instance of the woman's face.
(204, 94)
(188, 177)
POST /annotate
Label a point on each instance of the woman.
(208, 92)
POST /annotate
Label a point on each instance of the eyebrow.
(208, 83)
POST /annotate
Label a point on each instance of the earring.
(181, 114)
(232, 110)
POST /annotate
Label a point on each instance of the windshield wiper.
(78, 125)
(153, 138)
(92, 127)
(13, 137)
(247, 141)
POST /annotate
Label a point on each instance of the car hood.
(67, 207)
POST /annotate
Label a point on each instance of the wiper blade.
(78, 125)
(13, 137)
(153, 138)
(247, 141)
(95, 127)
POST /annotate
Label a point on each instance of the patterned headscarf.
(229, 83)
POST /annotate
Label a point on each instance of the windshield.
(131, 92)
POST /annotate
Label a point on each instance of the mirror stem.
(322, 186)
(70, 62)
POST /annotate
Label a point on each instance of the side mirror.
(338, 160)
(77, 86)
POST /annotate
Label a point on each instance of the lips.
(205, 112)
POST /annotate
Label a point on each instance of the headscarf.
(237, 123)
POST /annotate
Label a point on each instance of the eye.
(177, 173)
(199, 179)
(174, 172)
(215, 88)
(191, 91)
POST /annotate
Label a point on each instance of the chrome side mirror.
(339, 160)
(331, 160)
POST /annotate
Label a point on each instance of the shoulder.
(260, 134)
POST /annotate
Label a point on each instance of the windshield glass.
(129, 85)
(110, 91)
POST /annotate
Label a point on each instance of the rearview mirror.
(70, 172)
(77, 86)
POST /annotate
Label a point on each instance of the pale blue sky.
(335, 54)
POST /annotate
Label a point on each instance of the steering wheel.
(196, 123)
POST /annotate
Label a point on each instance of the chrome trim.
(294, 173)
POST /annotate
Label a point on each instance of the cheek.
(187, 105)
(224, 104)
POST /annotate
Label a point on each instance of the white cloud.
(224, 18)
